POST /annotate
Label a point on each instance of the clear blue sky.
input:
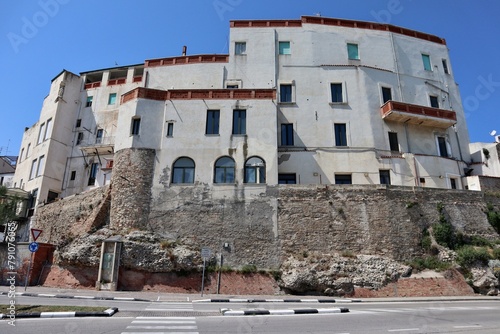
(39, 38)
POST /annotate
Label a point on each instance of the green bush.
(494, 219)
(468, 255)
(443, 233)
(429, 262)
(249, 269)
(496, 253)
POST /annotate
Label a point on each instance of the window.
(239, 122)
(340, 135)
(287, 179)
(386, 94)
(453, 183)
(89, 101)
(79, 138)
(445, 67)
(41, 165)
(240, 48)
(52, 196)
(93, 174)
(98, 136)
(73, 175)
(255, 170)
(78, 123)
(393, 141)
(28, 150)
(183, 171)
(443, 147)
(287, 134)
(112, 98)
(337, 93)
(286, 93)
(427, 62)
(224, 170)
(33, 169)
(41, 133)
(284, 48)
(212, 127)
(434, 101)
(343, 179)
(170, 129)
(136, 125)
(352, 51)
(21, 155)
(385, 176)
(48, 129)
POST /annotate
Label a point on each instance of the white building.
(311, 101)
(7, 169)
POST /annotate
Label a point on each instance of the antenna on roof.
(318, 14)
(494, 132)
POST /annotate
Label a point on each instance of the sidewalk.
(38, 291)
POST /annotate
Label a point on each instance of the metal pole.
(29, 270)
(203, 277)
(220, 272)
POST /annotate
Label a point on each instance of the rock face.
(338, 276)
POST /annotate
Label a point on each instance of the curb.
(228, 312)
(49, 295)
(107, 313)
(237, 300)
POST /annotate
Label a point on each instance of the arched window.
(183, 171)
(224, 170)
(255, 170)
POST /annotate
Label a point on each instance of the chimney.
(184, 50)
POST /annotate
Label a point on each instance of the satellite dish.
(494, 132)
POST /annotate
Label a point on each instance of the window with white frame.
(33, 169)
(386, 94)
(41, 133)
(444, 149)
(41, 165)
(338, 93)
(426, 59)
(135, 126)
(240, 48)
(434, 101)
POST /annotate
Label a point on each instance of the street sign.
(33, 247)
(35, 233)
(205, 253)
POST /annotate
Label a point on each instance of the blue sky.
(39, 38)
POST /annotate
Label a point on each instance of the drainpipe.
(458, 141)
(397, 68)
(417, 177)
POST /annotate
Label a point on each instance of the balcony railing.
(420, 115)
(92, 85)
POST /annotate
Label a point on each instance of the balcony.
(102, 146)
(419, 115)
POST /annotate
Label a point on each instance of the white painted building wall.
(318, 57)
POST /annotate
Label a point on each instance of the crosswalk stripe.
(162, 325)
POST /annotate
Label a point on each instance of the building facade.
(309, 101)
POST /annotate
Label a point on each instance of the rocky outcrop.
(337, 275)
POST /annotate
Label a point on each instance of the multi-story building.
(7, 169)
(311, 101)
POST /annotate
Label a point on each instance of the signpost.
(33, 247)
(205, 254)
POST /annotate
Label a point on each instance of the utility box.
(109, 264)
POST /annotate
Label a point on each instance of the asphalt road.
(371, 317)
